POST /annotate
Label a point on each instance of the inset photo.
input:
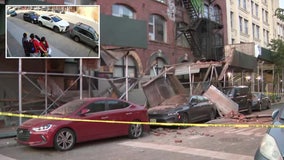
(52, 31)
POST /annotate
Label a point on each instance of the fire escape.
(201, 30)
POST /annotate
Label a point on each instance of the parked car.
(260, 101)
(272, 144)
(31, 17)
(241, 95)
(63, 134)
(197, 109)
(54, 22)
(84, 33)
(12, 12)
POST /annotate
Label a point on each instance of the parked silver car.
(81, 32)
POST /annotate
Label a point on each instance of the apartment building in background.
(253, 21)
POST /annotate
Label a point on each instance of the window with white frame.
(120, 67)
(251, 6)
(232, 19)
(157, 28)
(246, 26)
(241, 24)
(256, 10)
(122, 11)
(244, 4)
(265, 36)
(160, 63)
(255, 29)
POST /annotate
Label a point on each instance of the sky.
(281, 3)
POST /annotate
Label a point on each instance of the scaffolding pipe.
(81, 78)
(45, 87)
(20, 90)
(126, 79)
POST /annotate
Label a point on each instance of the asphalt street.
(61, 44)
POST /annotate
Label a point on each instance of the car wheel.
(56, 29)
(249, 108)
(260, 107)
(135, 130)
(40, 24)
(184, 119)
(77, 39)
(64, 139)
(268, 106)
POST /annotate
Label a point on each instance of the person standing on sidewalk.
(25, 44)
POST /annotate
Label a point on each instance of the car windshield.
(56, 19)
(68, 108)
(228, 91)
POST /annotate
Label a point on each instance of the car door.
(46, 21)
(194, 109)
(119, 111)
(205, 108)
(95, 110)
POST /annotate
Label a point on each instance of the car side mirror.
(84, 111)
(274, 113)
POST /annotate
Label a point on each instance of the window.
(256, 10)
(217, 14)
(113, 104)
(251, 5)
(241, 24)
(96, 106)
(206, 11)
(264, 16)
(265, 36)
(232, 19)
(160, 62)
(122, 11)
(119, 67)
(181, 40)
(245, 4)
(157, 28)
(255, 29)
(246, 26)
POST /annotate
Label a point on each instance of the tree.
(279, 13)
(277, 56)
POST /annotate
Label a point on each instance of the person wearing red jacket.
(44, 45)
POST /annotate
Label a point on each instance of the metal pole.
(190, 82)
(45, 88)
(81, 78)
(126, 77)
(20, 90)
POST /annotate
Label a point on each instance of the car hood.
(165, 109)
(62, 23)
(39, 122)
(278, 135)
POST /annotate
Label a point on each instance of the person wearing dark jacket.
(25, 44)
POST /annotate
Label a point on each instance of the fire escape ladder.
(189, 33)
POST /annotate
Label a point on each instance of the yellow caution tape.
(144, 123)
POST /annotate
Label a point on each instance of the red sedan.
(63, 134)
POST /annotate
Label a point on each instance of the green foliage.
(277, 45)
(279, 13)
